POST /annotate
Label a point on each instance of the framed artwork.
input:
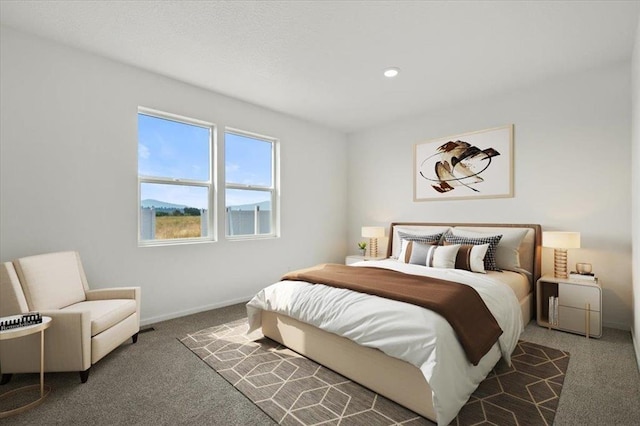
(471, 165)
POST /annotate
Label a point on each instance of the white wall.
(635, 191)
(572, 171)
(69, 179)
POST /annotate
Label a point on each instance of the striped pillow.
(471, 257)
(490, 256)
(407, 247)
(414, 252)
(442, 256)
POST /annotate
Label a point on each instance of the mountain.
(161, 205)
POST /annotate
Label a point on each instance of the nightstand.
(579, 305)
(357, 258)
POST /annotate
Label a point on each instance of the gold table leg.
(587, 319)
(42, 387)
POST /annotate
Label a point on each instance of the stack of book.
(582, 277)
(17, 321)
(553, 310)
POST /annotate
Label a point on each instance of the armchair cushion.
(104, 314)
(51, 281)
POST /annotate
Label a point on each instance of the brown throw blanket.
(459, 304)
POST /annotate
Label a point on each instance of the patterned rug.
(293, 390)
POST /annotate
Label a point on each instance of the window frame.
(274, 189)
(210, 184)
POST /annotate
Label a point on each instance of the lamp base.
(560, 263)
(373, 247)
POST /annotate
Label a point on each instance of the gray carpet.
(159, 382)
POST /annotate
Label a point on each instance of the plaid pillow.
(425, 239)
(490, 257)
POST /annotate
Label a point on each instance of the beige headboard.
(530, 249)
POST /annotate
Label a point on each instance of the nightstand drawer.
(572, 319)
(578, 295)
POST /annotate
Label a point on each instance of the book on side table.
(582, 277)
(22, 320)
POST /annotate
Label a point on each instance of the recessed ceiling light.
(391, 72)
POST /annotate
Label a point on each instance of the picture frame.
(466, 166)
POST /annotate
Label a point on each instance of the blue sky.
(171, 149)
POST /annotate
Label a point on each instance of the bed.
(434, 381)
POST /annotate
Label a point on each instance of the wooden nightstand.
(357, 258)
(579, 305)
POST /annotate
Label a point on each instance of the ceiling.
(323, 60)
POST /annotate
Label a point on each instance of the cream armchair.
(87, 324)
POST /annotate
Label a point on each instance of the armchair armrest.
(71, 332)
(117, 293)
(114, 293)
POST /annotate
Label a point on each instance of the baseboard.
(178, 314)
(617, 326)
(636, 346)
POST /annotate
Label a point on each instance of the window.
(251, 187)
(174, 179)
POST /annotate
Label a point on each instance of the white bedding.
(408, 332)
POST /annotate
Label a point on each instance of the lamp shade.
(561, 240)
(372, 231)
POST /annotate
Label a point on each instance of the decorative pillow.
(396, 241)
(471, 257)
(432, 238)
(405, 252)
(508, 251)
(414, 252)
(442, 256)
(490, 256)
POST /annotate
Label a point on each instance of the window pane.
(173, 149)
(248, 160)
(173, 211)
(248, 212)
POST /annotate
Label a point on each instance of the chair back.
(51, 281)
(12, 300)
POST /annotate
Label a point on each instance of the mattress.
(517, 281)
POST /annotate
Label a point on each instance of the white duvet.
(408, 332)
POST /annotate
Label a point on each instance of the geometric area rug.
(294, 390)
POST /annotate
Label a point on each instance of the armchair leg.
(135, 338)
(6, 378)
(84, 375)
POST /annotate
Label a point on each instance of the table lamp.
(373, 233)
(560, 242)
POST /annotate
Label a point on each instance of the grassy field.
(170, 227)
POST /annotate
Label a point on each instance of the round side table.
(14, 334)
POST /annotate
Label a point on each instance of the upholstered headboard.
(529, 237)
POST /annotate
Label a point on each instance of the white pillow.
(443, 257)
(507, 251)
